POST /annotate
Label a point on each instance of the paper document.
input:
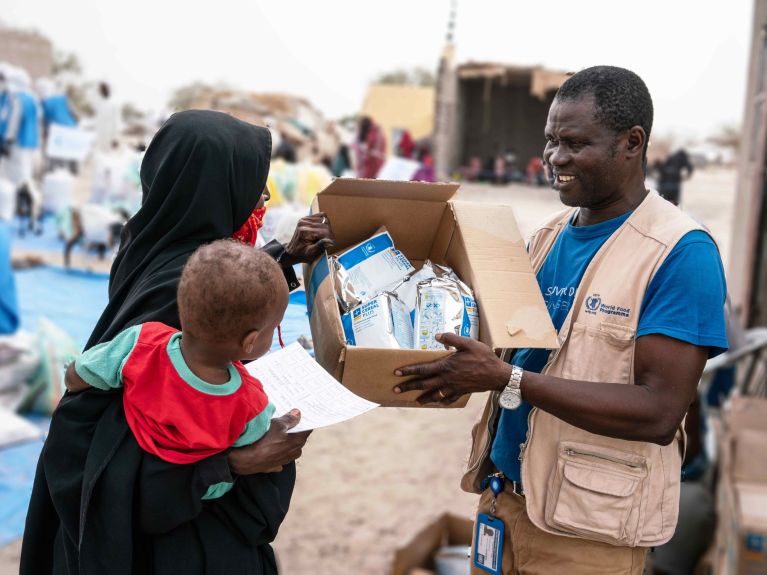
(292, 379)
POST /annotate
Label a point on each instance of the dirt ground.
(367, 486)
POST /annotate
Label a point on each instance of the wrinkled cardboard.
(747, 433)
(418, 555)
(480, 241)
(741, 541)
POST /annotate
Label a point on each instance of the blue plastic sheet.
(74, 301)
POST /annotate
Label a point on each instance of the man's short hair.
(224, 285)
(621, 98)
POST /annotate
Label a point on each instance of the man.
(636, 290)
(670, 174)
(107, 120)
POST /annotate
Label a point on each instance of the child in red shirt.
(187, 395)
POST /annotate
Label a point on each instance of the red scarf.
(248, 233)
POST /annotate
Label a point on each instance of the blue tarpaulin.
(74, 300)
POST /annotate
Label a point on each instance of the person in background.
(7, 105)
(671, 173)
(23, 134)
(406, 146)
(426, 172)
(56, 110)
(342, 163)
(370, 148)
(536, 176)
(107, 120)
(9, 305)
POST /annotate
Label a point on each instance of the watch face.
(510, 399)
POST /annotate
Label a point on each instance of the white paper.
(293, 380)
(68, 143)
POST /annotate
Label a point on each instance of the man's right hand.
(274, 450)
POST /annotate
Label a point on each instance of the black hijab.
(201, 178)
(99, 503)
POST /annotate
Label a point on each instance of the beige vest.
(580, 484)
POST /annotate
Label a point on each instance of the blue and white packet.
(444, 305)
(362, 272)
(382, 322)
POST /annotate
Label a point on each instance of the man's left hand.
(312, 237)
(473, 367)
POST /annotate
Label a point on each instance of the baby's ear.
(249, 341)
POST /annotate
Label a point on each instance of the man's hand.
(312, 237)
(473, 367)
(74, 382)
(275, 449)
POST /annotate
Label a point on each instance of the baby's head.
(233, 297)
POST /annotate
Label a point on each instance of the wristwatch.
(511, 396)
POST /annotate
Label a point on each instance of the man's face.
(582, 155)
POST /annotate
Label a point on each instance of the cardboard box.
(418, 555)
(747, 434)
(481, 242)
(741, 540)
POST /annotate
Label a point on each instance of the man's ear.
(635, 142)
(248, 341)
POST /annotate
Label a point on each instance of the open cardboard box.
(418, 554)
(480, 241)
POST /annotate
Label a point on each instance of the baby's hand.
(74, 382)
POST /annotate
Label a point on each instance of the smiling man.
(579, 450)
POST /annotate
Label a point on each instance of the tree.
(727, 137)
(408, 77)
(68, 72)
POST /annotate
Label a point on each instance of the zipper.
(522, 446)
(490, 420)
(571, 452)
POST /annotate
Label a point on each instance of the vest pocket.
(596, 493)
(600, 352)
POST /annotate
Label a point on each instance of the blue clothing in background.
(685, 300)
(56, 111)
(29, 134)
(6, 107)
(9, 304)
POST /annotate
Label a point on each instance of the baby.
(187, 395)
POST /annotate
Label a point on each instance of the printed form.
(292, 379)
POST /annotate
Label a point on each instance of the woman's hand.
(312, 237)
(275, 449)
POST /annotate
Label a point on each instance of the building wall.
(501, 117)
(401, 108)
(28, 50)
(747, 274)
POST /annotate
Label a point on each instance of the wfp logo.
(369, 248)
(592, 303)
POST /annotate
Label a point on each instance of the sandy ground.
(367, 486)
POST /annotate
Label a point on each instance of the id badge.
(488, 544)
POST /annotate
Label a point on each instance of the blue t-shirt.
(6, 108)
(28, 136)
(56, 111)
(685, 300)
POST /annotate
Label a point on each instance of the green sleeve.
(254, 430)
(256, 427)
(101, 366)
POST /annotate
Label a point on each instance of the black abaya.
(96, 506)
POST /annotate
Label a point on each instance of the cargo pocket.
(603, 355)
(596, 493)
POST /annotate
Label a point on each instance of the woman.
(370, 147)
(202, 180)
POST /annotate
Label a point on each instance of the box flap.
(447, 529)
(513, 313)
(388, 189)
(361, 362)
